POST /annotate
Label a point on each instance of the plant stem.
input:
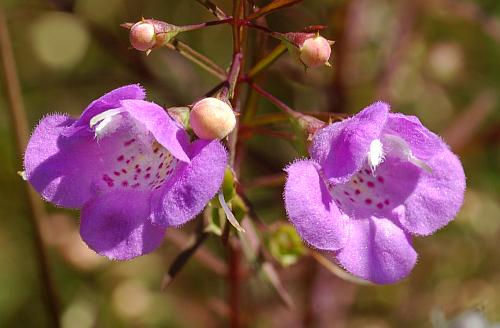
(216, 11)
(267, 61)
(193, 27)
(281, 105)
(181, 260)
(309, 123)
(21, 130)
(234, 79)
(197, 58)
(234, 283)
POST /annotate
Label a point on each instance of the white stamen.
(402, 150)
(376, 154)
(105, 122)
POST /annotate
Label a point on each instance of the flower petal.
(311, 209)
(53, 163)
(110, 100)
(165, 130)
(117, 225)
(438, 195)
(423, 143)
(377, 250)
(192, 186)
(341, 148)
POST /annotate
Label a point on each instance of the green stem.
(267, 61)
(197, 58)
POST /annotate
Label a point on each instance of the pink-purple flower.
(374, 181)
(129, 166)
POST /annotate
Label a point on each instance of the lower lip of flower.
(139, 168)
(363, 192)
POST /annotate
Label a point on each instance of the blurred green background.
(438, 59)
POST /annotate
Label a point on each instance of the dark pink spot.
(346, 193)
(147, 176)
(129, 142)
(127, 161)
(361, 180)
(138, 170)
(156, 150)
(380, 179)
(136, 166)
(354, 181)
(108, 180)
(368, 201)
(160, 166)
(386, 202)
(135, 177)
(367, 171)
(124, 183)
(148, 168)
(380, 205)
(120, 158)
(357, 191)
(116, 173)
(161, 155)
(370, 184)
(169, 171)
(351, 199)
(124, 171)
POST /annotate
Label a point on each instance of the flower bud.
(142, 36)
(149, 34)
(315, 51)
(212, 118)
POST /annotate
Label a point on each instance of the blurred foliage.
(437, 59)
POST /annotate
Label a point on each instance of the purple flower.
(374, 180)
(129, 166)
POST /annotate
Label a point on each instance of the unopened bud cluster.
(212, 118)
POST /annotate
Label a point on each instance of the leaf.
(181, 260)
(229, 215)
(336, 270)
(273, 278)
(250, 242)
(272, 7)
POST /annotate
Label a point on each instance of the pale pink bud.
(212, 118)
(315, 51)
(142, 36)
